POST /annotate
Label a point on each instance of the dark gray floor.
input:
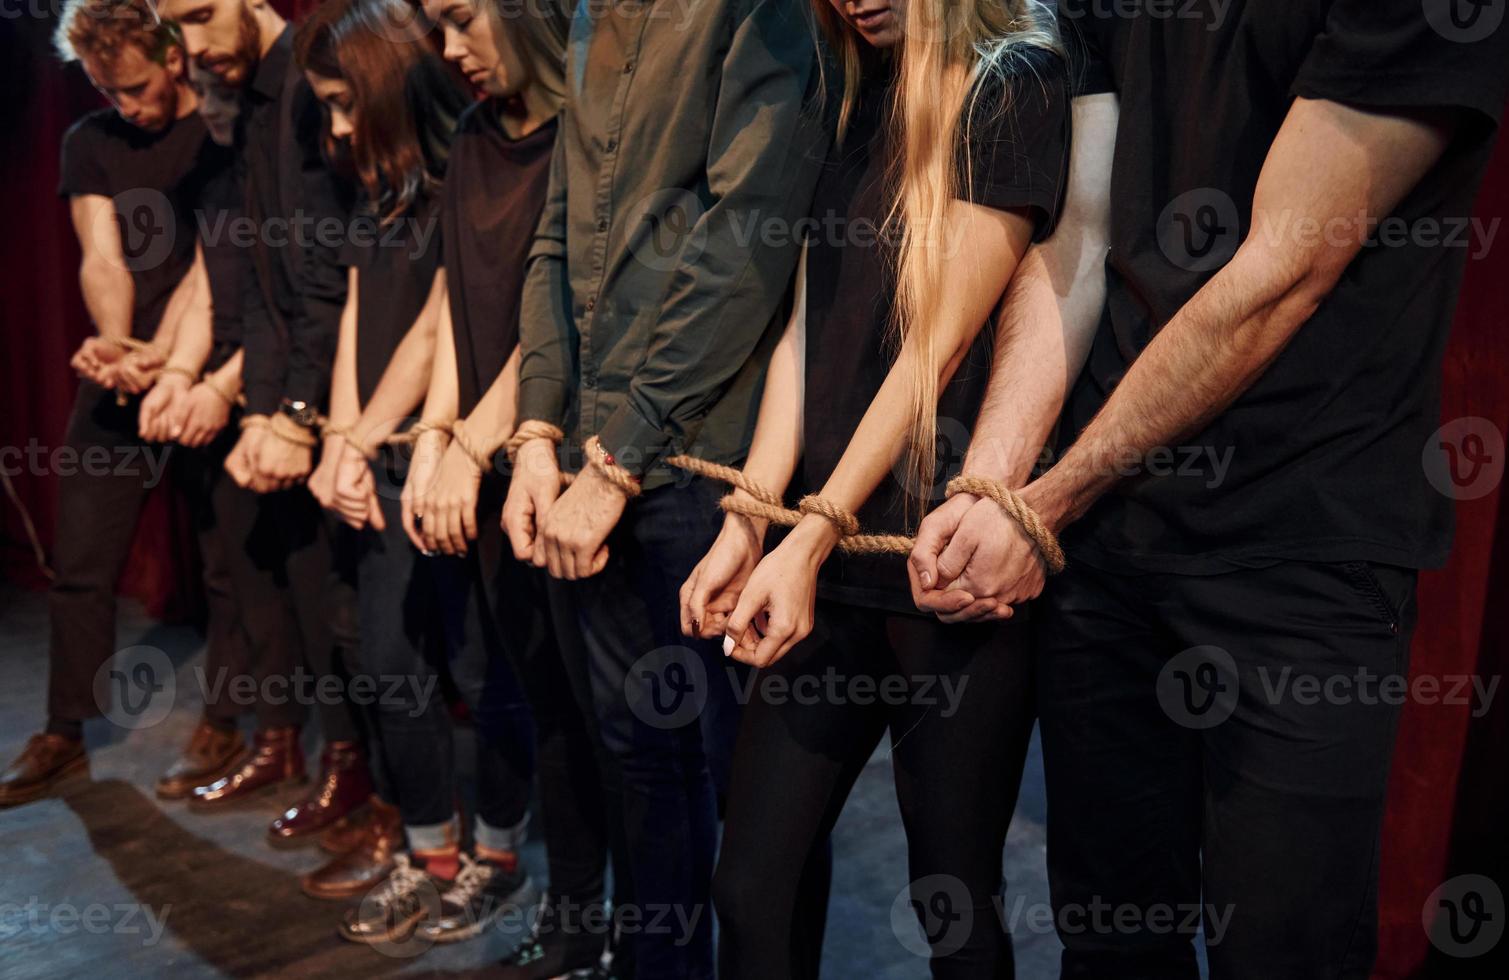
(105, 881)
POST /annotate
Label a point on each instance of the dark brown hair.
(405, 98)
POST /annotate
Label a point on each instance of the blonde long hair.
(950, 48)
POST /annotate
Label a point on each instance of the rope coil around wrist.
(290, 431)
(253, 422)
(602, 461)
(1016, 508)
(474, 450)
(529, 431)
(191, 377)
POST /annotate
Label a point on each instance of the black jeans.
(422, 617)
(1216, 748)
(667, 715)
(957, 701)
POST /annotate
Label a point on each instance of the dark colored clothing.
(219, 210)
(294, 288)
(494, 190)
(1292, 469)
(412, 609)
(147, 176)
(1018, 144)
(395, 266)
(668, 714)
(810, 728)
(687, 152)
(1222, 739)
(99, 501)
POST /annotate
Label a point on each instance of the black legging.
(959, 707)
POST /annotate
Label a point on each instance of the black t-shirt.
(1018, 146)
(396, 264)
(494, 192)
(145, 175)
(218, 212)
(1321, 459)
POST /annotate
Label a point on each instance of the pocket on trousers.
(1387, 590)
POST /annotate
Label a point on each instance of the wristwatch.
(301, 413)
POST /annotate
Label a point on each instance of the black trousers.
(424, 618)
(581, 800)
(103, 481)
(1217, 748)
(957, 701)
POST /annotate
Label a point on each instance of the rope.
(767, 505)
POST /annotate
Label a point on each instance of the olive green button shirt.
(657, 282)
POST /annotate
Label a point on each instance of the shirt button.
(591, 303)
(602, 224)
(628, 67)
(612, 145)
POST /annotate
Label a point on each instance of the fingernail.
(926, 578)
(728, 646)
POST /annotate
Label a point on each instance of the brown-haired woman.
(392, 105)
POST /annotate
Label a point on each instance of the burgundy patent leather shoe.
(344, 786)
(275, 762)
(366, 863)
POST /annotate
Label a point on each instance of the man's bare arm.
(1329, 162)
(104, 279)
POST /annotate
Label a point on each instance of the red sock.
(507, 860)
(443, 863)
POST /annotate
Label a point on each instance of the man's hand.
(322, 481)
(138, 370)
(532, 491)
(573, 532)
(712, 591)
(201, 414)
(95, 360)
(279, 464)
(972, 562)
(239, 462)
(161, 408)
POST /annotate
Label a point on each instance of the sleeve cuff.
(262, 399)
(634, 442)
(542, 400)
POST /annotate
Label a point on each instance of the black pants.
(1217, 747)
(423, 617)
(102, 485)
(581, 801)
(670, 734)
(957, 701)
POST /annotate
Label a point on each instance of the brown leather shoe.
(346, 832)
(209, 755)
(365, 865)
(275, 762)
(46, 761)
(344, 786)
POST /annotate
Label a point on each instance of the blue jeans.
(668, 713)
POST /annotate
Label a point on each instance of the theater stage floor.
(106, 881)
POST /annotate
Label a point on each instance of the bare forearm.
(442, 402)
(402, 387)
(109, 295)
(492, 421)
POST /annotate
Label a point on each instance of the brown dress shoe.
(275, 762)
(344, 786)
(46, 761)
(364, 866)
(209, 755)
